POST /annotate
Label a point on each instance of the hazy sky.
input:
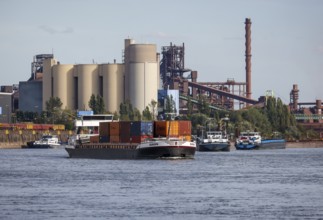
(287, 37)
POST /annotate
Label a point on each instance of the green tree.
(170, 106)
(53, 103)
(126, 111)
(189, 106)
(53, 107)
(153, 105)
(203, 105)
(96, 103)
(146, 114)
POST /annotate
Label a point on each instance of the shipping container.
(141, 128)
(104, 139)
(166, 128)
(114, 139)
(104, 129)
(95, 139)
(139, 139)
(124, 129)
(114, 128)
(184, 128)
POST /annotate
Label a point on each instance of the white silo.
(113, 86)
(63, 84)
(142, 75)
(87, 84)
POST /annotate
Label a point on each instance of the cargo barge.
(151, 149)
(253, 141)
(134, 140)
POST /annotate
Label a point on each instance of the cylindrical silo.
(142, 75)
(63, 86)
(88, 84)
(113, 86)
(47, 80)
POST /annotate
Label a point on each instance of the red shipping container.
(114, 128)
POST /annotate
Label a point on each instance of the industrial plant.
(139, 78)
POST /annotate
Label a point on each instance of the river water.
(273, 184)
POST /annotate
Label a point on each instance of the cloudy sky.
(287, 37)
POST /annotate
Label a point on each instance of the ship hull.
(264, 145)
(129, 151)
(102, 153)
(166, 152)
(214, 147)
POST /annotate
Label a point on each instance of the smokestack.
(248, 57)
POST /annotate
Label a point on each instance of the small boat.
(253, 140)
(214, 141)
(46, 141)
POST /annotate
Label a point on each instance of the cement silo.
(47, 80)
(87, 84)
(63, 84)
(113, 85)
(142, 75)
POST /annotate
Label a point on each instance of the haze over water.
(273, 184)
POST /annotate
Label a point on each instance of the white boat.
(248, 140)
(214, 141)
(46, 141)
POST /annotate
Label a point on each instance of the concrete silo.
(141, 74)
(113, 85)
(47, 80)
(87, 84)
(63, 84)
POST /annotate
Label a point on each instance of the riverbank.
(305, 144)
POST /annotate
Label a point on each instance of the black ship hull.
(214, 147)
(166, 152)
(128, 151)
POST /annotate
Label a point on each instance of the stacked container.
(179, 129)
(141, 130)
(104, 130)
(125, 131)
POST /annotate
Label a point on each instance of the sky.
(286, 38)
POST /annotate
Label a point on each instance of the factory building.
(136, 80)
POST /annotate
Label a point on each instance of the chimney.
(248, 57)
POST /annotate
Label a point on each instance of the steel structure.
(172, 65)
(37, 64)
(220, 94)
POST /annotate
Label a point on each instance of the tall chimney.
(248, 57)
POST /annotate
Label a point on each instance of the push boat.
(214, 141)
(46, 141)
(254, 141)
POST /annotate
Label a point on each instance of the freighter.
(134, 140)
